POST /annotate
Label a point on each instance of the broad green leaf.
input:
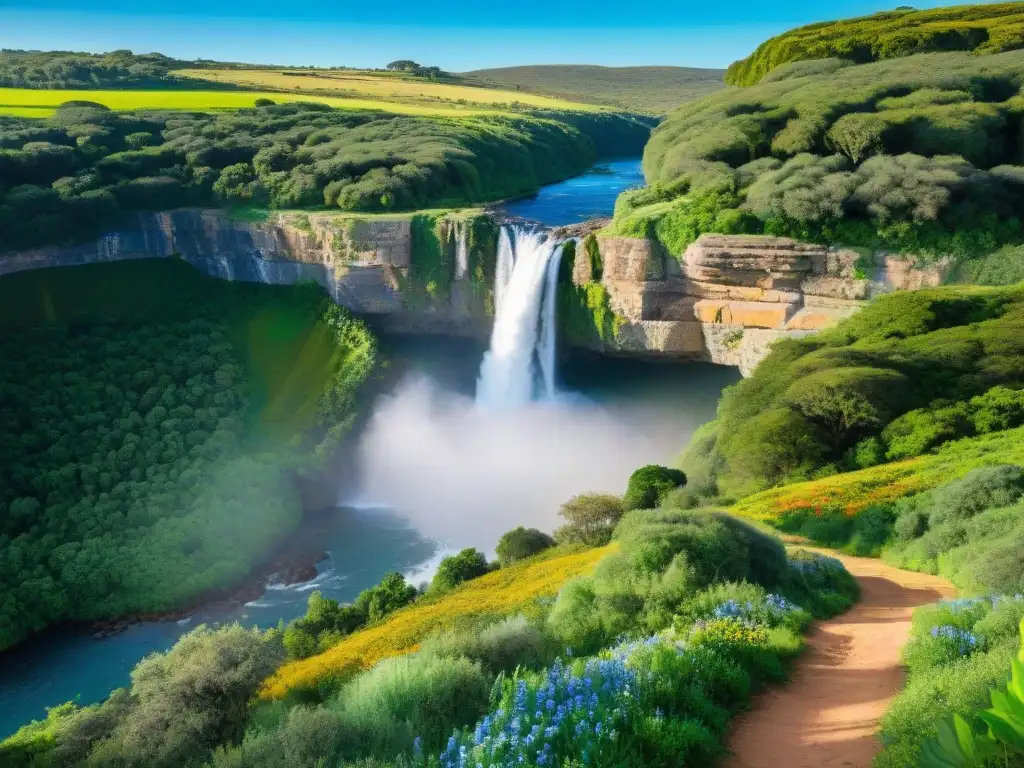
(952, 747)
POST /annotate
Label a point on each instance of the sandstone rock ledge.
(729, 297)
(362, 262)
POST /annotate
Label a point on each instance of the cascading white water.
(548, 341)
(503, 267)
(525, 283)
(461, 249)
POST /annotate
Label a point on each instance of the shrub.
(978, 490)
(455, 569)
(520, 543)
(304, 736)
(648, 485)
(381, 712)
(190, 699)
(500, 647)
(591, 519)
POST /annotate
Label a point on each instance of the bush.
(500, 647)
(382, 712)
(591, 519)
(455, 569)
(521, 543)
(648, 486)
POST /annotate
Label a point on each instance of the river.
(589, 196)
(437, 473)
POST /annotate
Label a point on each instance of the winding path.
(828, 714)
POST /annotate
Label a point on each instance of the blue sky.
(456, 35)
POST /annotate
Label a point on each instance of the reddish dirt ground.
(828, 714)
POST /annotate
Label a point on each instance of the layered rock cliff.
(725, 300)
(383, 266)
(731, 296)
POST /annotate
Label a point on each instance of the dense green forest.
(888, 35)
(68, 177)
(911, 371)
(65, 69)
(154, 423)
(922, 154)
(647, 90)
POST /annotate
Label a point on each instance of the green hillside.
(889, 35)
(921, 155)
(650, 90)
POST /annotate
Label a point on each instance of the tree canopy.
(146, 458)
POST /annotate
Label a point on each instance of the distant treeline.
(69, 177)
(65, 69)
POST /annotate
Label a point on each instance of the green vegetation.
(62, 69)
(888, 35)
(72, 176)
(648, 90)
(521, 543)
(689, 615)
(920, 155)
(1002, 267)
(911, 371)
(585, 314)
(960, 650)
(590, 519)
(326, 622)
(649, 485)
(455, 569)
(154, 424)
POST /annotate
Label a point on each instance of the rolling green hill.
(651, 90)
(889, 35)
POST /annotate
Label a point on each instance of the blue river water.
(589, 196)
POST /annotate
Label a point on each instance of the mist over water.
(465, 474)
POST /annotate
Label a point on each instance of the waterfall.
(461, 249)
(503, 268)
(525, 290)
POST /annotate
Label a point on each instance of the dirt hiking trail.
(828, 714)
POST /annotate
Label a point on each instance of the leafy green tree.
(521, 543)
(649, 484)
(590, 519)
(455, 569)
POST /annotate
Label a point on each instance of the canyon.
(725, 300)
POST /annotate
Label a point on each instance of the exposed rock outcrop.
(729, 297)
(365, 264)
(725, 300)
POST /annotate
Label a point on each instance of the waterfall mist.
(464, 474)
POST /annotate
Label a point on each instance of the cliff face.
(730, 296)
(725, 301)
(365, 264)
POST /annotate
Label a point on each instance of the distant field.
(375, 85)
(26, 102)
(650, 90)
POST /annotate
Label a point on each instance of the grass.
(25, 102)
(501, 592)
(376, 86)
(648, 90)
(854, 491)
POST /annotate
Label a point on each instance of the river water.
(459, 474)
(589, 196)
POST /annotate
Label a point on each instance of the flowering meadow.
(852, 492)
(664, 699)
(500, 593)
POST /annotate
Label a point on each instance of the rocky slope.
(730, 296)
(724, 301)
